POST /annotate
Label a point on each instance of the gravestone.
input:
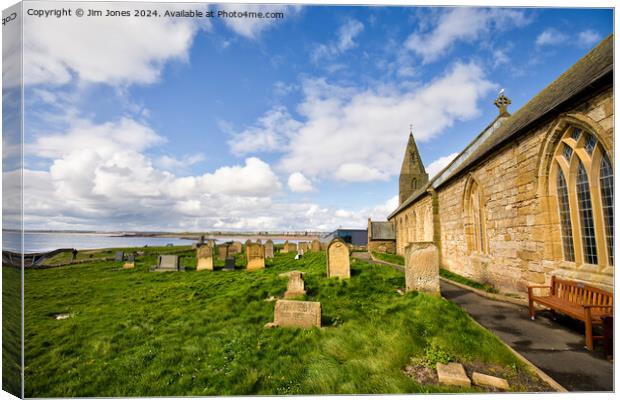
(292, 247)
(222, 251)
(202, 239)
(211, 242)
(131, 261)
(269, 249)
(204, 258)
(167, 263)
(119, 257)
(255, 255)
(296, 286)
(303, 247)
(229, 264)
(247, 242)
(235, 247)
(285, 247)
(338, 263)
(422, 268)
(74, 254)
(315, 245)
(297, 314)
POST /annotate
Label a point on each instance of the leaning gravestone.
(131, 261)
(296, 286)
(285, 247)
(167, 263)
(204, 258)
(316, 245)
(255, 255)
(269, 249)
(422, 268)
(119, 257)
(297, 314)
(338, 263)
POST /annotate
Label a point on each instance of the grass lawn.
(139, 333)
(391, 258)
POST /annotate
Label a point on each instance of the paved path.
(556, 347)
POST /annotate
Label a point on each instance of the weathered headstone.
(338, 263)
(167, 263)
(204, 258)
(299, 314)
(211, 242)
(255, 255)
(292, 247)
(422, 268)
(269, 249)
(119, 256)
(229, 264)
(296, 286)
(247, 242)
(222, 251)
(284, 247)
(316, 245)
(303, 247)
(452, 374)
(235, 247)
(131, 261)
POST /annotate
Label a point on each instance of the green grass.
(466, 281)
(139, 333)
(391, 258)
(11, 330)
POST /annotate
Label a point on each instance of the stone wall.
(382, 246)
(521, 232)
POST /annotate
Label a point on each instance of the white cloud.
(298, 183)
(251, 28)
(551, 37)
(269, 133)
(346, 40)
(588, 38)
(353, 134)
(436, 166)
(254, 178)
(104, 50)
(355, 172)
(465, 24)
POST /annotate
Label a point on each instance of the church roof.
(382, 231)
(593, 68)
(412, 163)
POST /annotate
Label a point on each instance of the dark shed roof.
(382, 231)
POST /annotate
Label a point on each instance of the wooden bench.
(577, 300)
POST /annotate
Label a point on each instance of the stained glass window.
(565, 224)
(606, 178)
(586, 218)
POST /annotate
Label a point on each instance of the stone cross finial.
(502, 102)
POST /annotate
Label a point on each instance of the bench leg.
(589, 338)
(532, 310)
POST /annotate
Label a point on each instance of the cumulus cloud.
(251, 28)
(436, 166)
(352, 134)
(551, 37)
(464, 24)
(269, 133)
(105, 50)
(588, 38)
(298, 183)
(345, 41)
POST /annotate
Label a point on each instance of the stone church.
(532, 195)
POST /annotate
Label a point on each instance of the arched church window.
(475, 223)
(583, 176)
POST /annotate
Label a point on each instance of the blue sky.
(283, 124)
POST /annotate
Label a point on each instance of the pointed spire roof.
(412, 163)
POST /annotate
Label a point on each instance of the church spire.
(412, 173)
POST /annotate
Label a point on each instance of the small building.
(356, 237)
(381, 237)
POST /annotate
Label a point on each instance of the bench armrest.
(538, 286)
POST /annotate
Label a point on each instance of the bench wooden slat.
(570, 298)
